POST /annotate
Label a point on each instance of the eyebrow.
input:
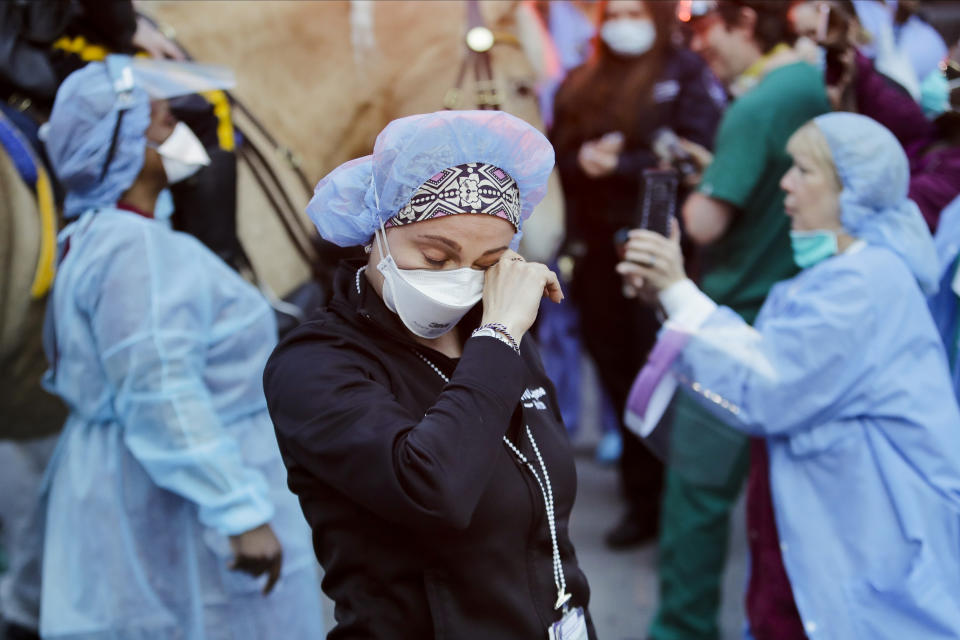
(456, 247)
(447, 241)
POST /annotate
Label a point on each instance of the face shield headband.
(123, 84)
(160, 79)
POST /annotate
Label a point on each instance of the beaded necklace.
(543, 481)
(545, 488)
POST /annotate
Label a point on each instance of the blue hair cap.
(352, 200)
(874, 206)
(80, 132)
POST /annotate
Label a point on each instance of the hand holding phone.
(669, 148)
(652, 262)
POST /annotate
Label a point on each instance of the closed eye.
(434, 262)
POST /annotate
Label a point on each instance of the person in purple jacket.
(932, 147)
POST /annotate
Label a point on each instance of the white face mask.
(182, 154)
(629, 36)
(428, 302)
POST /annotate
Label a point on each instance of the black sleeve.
(340, 425)
(697, 112)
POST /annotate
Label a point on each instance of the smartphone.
(659, 202)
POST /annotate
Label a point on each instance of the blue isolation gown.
(945, 304)
(846, 377)
(158, 348)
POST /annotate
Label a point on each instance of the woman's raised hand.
(702, 158)
(512, 290)
(599, 157)
(652, 261)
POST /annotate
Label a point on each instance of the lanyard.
(563, 598)
(545, 488)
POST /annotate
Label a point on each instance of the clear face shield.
(161, 79)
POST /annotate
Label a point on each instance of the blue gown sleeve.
(807, 363)
(150, 316)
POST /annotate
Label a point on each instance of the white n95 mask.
(629, 36)
(182, 154)
(429, 302)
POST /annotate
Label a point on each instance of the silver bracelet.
(487, 331)
(501, 328)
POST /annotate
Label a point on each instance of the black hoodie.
(426, 524)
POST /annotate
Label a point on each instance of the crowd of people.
(793, 333)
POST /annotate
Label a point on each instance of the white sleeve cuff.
(685, 305)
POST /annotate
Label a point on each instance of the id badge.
(572, 626)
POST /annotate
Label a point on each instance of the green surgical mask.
(812, 247)
(935, 94)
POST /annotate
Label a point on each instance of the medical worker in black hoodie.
(414, 416)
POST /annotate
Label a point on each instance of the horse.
(316, 81)
(27, 236)
(328, 76)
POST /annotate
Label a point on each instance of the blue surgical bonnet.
(874, 206)
(352, 200)
(79, 133)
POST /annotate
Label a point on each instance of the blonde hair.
(810, 141)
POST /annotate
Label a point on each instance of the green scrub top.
(750, 158)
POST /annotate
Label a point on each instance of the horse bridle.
(481, 63)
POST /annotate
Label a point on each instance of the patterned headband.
(474, 187)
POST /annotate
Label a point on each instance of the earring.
(367, 249)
